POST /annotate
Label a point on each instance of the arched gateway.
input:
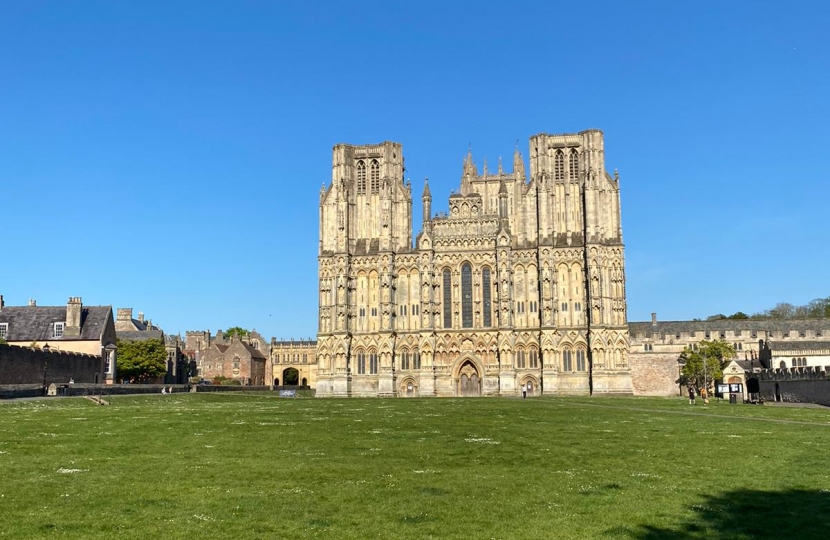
(468, 380)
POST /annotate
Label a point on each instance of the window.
(57, 330)
(404, 359)
(375, 176)
(580, 360)
(361, 178)
(799, 362)
(534, 358)
(802, 333)
(564, 306)
(786, 334)
(722, 335)
(567, 361)
(373, 363)
(466, 296)
(485, 286)
(447, 299)
(708, 334)
(520, 359)
(573, 165)
(305, 358)
(559, 166)
(4, 330)
(818, 333)
(753, 334)
(361, 363)
(648, 347)
(577, 306)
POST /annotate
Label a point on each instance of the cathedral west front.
(520, 284)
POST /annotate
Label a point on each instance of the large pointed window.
(447, 300)
(485, 296)
(559, 166)
(374, 176)
(373, 363)
(573, 165)
(361, 363)
(361, 177)
(466, 296)
(567, 360)
(580, 360)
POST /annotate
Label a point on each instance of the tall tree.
(236, 331)
(145, 359)
(703, 364)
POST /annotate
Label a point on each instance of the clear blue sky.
(168, 156)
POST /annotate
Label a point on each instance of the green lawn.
(256, 466)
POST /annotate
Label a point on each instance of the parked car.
(203, 382)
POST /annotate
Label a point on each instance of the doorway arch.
(468, 379)
(290, 377)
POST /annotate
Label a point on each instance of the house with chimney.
(73, 328)
(139, 329)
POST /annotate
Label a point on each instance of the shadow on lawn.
(744, 514)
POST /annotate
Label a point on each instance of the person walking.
(691, 395)
(524, 391)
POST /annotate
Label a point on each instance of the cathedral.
(521, 284)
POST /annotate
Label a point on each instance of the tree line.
(815, 309)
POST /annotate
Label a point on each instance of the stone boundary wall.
(654, 374)
(22, 365)
(795, 385)
(240, 388)
(11, 391)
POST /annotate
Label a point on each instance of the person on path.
(524, 391)
(691, 395)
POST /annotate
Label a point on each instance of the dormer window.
(4, 330)
(57, 330)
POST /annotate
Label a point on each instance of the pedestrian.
(524, 391)
(691, 395)
(704, 395)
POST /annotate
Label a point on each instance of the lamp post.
(46, 348)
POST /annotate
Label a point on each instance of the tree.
(2, 341)
(145, 359)
(237, 331)
(704, 362)
(738, 315)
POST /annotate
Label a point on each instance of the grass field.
(254, 466)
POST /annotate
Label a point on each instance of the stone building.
(521, 283)
(759, 344)
(71, 328)
(129, 329)
(243, 359)
(294, 362)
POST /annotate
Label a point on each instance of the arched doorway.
(290, 377)
(276, 381)
(469, 380)
(305, 382)
(408, 388)
(531, 386)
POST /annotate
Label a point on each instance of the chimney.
(74, 307)
(141, 316)
(32, 302)
(2, 303)
(653, 319)
(124, 314)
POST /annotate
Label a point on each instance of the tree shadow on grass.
(749, 514)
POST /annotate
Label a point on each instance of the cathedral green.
(252, 465)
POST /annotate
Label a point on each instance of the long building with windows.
(520, 284)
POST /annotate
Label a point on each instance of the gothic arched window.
(447, 299)
(485, 296)
(361, 177)
(416, 359)
(559, 166)
(404, 359)
(361, 362)
(374, 175)
(580, 360)
(466, 296)
(534, 359)
(373, 363)
(520, 359)
(573, 165)
(567, 361)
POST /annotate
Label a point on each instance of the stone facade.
(294, 363)
(761, 343)
(521, 283)
(245, 360)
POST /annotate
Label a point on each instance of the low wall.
(795, 385)
(22, 365)
(654, 374)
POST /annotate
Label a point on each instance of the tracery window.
(567, 360)
(520, 359)
(466, 296)
(373, 363)
(559, 166)
(416, 359)
(447, 299)
(534, 358)
(485, 289)
(580, 360)
(361, 177)
(374, 176)
(573, 165)
(404, 359)
(361, 363)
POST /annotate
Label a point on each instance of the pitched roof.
(140, 335)
(763, 325)
(35, 323)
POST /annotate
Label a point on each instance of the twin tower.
(520, 284)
